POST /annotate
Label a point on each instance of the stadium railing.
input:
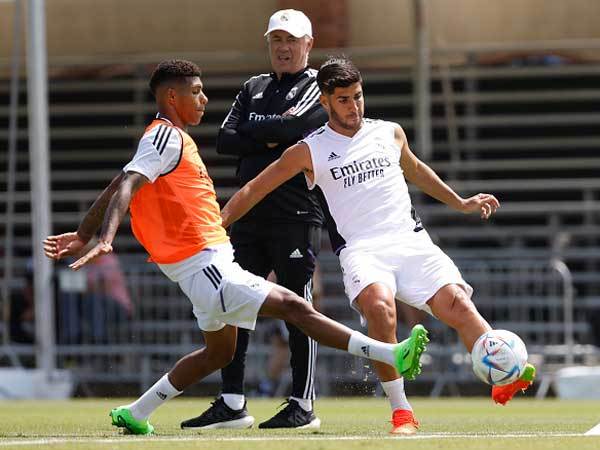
(102, 344)
(102, 341)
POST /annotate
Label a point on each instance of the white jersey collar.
(161, 117)
(335, 134)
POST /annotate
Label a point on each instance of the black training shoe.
(219, 415)
(292, 416)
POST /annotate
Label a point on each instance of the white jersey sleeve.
(158, 152)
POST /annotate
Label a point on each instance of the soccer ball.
(499, 357)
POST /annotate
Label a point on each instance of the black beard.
(341, 123)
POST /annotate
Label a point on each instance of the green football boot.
(122, 418)
(408, 352)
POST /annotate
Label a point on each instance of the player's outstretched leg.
(283, 304)
(454, 307)
(503, 394)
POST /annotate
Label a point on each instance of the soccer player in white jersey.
(361, 166)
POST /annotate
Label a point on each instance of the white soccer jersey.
(362, 181)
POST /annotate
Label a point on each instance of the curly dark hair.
(337, 71)
(171, 70)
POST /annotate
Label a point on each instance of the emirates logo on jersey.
(259, 117)
(361, 171)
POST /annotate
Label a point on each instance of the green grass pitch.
(348, 423)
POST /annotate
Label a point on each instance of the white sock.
(395, 391)
(234, 401)
(361, 345)
(158, 394)
(305, 404)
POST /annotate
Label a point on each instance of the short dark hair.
(337, 71)
(172, 70)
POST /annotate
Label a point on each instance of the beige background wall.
(116, 27)
(105, 27)
(389, 22)
(516, 20)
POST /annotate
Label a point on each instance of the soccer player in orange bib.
(176, 217)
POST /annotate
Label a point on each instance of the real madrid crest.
(291, 94)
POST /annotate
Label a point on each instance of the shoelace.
(405, 417)
(285, 402)
(212, 405)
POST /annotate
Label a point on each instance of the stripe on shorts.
(211, 276)
(309, 387)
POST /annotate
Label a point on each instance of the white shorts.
(222, 293)
(414, 269)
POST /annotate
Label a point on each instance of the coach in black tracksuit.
(282, 233)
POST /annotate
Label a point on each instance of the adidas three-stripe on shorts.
(222, 293)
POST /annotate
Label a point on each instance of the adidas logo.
(257, 96)
(365, 349)
(296, 254)
(161, 395)
(333, 156)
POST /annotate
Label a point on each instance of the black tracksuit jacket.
(269, 110)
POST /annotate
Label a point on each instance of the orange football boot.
(404, 422)
(503, 394)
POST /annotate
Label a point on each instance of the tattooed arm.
(116, 210)
(69, 244)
